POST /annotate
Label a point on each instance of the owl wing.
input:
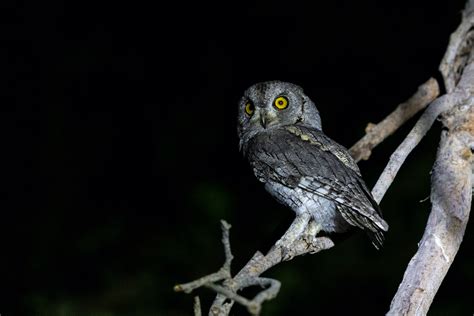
(297, 156)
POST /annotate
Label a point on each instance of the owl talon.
(295, 231)
(309, 239)
(313, 228)
(286, 253)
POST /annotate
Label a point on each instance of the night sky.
(121, 152)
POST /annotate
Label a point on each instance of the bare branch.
(420, 129)
(222, 274)
(459, 46)
(229, 294)
(254, 306)
(298, 240)
(451, 182)
(197, 306)
(226, 242)
(375, 134)
(439, 106)
(451, 196)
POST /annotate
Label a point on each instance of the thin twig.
(420, 129)
(375, 134)
(197, 306)
(273, 287)
(222, 274)
(293, 243)
(254, 306)
(229, 294)
(226, 242)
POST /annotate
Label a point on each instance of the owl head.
(273, 104)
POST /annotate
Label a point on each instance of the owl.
(280, 134)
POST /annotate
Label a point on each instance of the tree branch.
(197, 306)
(299, 239)
(375, 134)
(451, 196)
(223, 273)
(458, 49)
(420, 129)
(451, 181)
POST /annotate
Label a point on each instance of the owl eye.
(249, 108)
(281, 103)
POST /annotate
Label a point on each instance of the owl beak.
(263, 120)
(266, 118)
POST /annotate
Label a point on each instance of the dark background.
(121, 149)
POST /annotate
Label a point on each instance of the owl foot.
(295, 231)
(309, 236)
(316, 244)
(308, 242)
(313, 228)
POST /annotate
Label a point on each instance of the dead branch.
(451, 181)
(420, 129)
(197, 306)
(222, 274)
(289, 246)
(375, 134)
(451, 195)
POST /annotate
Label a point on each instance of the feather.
(301, 157)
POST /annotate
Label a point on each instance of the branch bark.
(451, 196)
(451, 182)
(375, 134)
(299, 239)
(420, 129)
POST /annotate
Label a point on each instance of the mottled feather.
(298, 156)
(302, 167)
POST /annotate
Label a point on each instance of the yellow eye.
(249, 108)
(281, 103)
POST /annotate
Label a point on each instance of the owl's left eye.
(281, 103)
(249, 108)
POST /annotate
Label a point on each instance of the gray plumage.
(281, 135)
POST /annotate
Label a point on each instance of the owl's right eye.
(249, 108)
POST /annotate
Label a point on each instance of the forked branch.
(451, 181)
(375, 134)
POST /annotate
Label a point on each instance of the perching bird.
(280, 134)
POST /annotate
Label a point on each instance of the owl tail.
(374, 227)
(377, 238)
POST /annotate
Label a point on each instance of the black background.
(121, 149)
